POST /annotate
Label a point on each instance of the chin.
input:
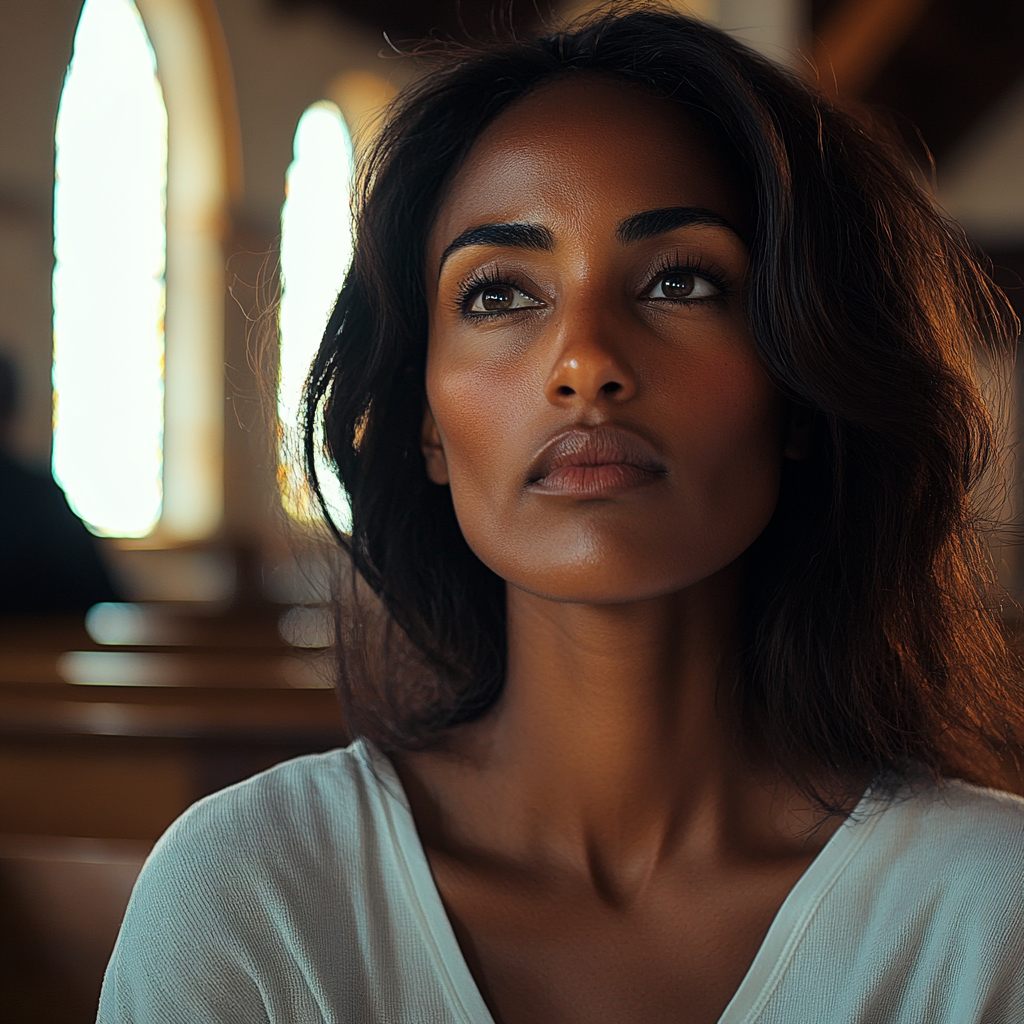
(624, 579)
(597, 562)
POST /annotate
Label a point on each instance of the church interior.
(174, 226)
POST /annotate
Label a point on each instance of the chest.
(555, 955)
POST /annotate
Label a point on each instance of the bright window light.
(316, 249)
(108, 282)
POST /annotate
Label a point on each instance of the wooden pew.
(102, 746)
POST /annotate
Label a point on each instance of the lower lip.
(605, 481)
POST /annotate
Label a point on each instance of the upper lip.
(595, 446)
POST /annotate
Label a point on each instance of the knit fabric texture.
(303, 896)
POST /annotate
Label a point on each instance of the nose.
(588, 366)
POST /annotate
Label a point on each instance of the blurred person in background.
(49, 561)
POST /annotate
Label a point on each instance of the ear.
(433, 450)
(797, 444)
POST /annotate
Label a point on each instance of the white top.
(303, 896)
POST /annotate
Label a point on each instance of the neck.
(620, 702)
(612, 745)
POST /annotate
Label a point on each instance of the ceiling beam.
(858, 39)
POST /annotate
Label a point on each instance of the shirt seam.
(366, 754)
(802, 921)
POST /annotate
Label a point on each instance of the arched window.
(108, 282)
(146, 159)
(316, 249)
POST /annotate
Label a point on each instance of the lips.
(598, 462)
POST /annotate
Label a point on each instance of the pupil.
(496, 298)
(677, 286)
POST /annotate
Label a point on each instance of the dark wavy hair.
(870, 641)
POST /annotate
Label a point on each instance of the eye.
(498, 298)
(676, 286)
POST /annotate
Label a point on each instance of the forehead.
(585, 151)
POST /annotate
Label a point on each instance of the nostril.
(566, 390)
(611, 387)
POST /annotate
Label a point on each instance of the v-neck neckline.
(762, 978)
(793, 918)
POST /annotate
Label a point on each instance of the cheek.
(727, 427)
(481, 412)
(730, 446)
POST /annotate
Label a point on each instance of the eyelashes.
(475, 284)
(690, 266)
(472, 288)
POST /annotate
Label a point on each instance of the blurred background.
(174, 226)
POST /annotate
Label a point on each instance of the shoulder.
(279, 818)
(249, 890)
(958, 846)
(955, 819)
(312, 829)
(29, 482)
(994, 810)
(923, 917)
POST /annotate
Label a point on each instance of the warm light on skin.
(108, 282)
(594, 349)
(316, 250)
(613, 446)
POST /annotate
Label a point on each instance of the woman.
(652, 388)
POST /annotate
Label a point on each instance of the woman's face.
(595, 402)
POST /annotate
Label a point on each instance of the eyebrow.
(651, 223)
(635, 228)
(515, 236)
